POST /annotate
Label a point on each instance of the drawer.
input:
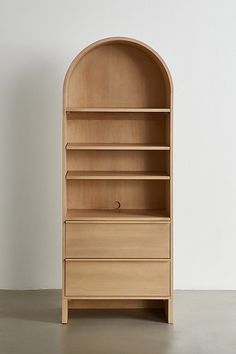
(118, 240)
(117, 278)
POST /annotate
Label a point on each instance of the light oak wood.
(117, 179)
(117, 297)
(170, 309)
(130, 194)
(64, 310)
(117, 278)
(116, 161)
(104, 146)
(151, 175)
(119, 110)
(151, 215)
(117, 240)
(119, 128)
(101, 75)
(115, 260)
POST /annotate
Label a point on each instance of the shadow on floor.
(156, 315)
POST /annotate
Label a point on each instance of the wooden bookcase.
(117, 179)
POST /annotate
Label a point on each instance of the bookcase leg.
(170, 310)
(64, 309)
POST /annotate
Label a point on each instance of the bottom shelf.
(117, 214)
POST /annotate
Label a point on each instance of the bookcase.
(117, 179)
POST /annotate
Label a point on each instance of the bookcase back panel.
(118, 75)
(131, 194)
(141, 130)
(99, 160)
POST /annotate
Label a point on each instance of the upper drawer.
(118, 240)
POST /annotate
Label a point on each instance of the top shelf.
(117, 110)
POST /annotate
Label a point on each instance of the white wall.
(38, 41)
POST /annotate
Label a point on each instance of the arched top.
(118, 72)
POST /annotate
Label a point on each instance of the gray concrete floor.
(204, 322)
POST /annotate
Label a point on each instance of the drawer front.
(119, 240)
(117, 278)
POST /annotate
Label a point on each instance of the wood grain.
(117, 240)
(115, 215)
(117, 278)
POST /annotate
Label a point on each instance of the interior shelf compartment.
(118, 75)
(117, 214)
(116, 129)
(117, 146)
(122, 194)
(131, 161)
(150, 175)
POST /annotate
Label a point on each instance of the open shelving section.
(117, 177)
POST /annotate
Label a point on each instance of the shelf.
(117, 214)
(85, 146)
(118, 110)
(140, 175)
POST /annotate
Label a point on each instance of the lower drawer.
(117, 240)
(117, 278)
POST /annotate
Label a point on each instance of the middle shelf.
(104, 146)
(117, 215)
(140, 175)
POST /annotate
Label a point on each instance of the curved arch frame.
(112, 40)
